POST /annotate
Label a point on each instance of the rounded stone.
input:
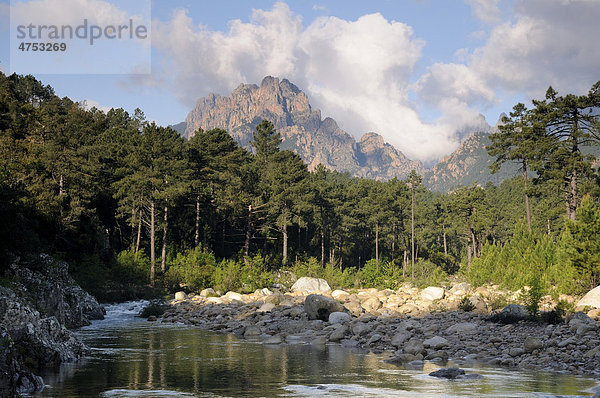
(339, 317)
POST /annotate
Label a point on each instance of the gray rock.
(252, 331)
(436, 343)
(448, 373)
(339, 317)
(361, 329)
(516, 352)
(414, 346)
(532, 343)
(273, 340)
(46, 282)
(512, 313)
(371, 304)
(24, 333)
(180, 296)
(374, 339)
(460, 289)
(591, 298)
(463, 327)
(320, 307)
(310, 285)
(339, 333)
(354, 307)
(400, 338)
(208, 292)
(432, 293)
(266, 307)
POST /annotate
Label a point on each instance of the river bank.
(39, 303)
(410, 324)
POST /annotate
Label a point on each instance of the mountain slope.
(468, 164)
(302, 129)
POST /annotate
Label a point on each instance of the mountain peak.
(302, 130)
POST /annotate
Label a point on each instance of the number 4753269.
(42, 46)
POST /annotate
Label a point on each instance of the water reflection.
(149, 359)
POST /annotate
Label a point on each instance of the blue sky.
(415, 71)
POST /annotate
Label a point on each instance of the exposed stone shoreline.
(35, 311)
(411, 325)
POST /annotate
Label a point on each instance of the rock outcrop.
(45, 283)
(30, 342)
(42, 300)
(303, 131)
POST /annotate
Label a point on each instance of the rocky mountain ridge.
(302, 129)
(322, 141)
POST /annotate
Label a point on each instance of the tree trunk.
(404, 264)
(139, 231)
(323, 247)
(163, 254)
(132, 227)
(152, 249)
(412, 229)
(248, 235)
(474, 242)
(377, 244)
(527, 208)
(445, 244)
(468, 258)
(197, 230)
(573, 201)
(285, 243)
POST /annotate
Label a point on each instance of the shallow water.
(134, 358)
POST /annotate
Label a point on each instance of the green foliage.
(232, 275)
(228, 276)
(585, 247)
(132, 267)
(91, 273)
(522, 258)
(193, 270)
(466, 305)
(533, 296)
(87, 184)
(428, 274)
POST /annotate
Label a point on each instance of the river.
(131, 357)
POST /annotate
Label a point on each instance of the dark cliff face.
(303, 131)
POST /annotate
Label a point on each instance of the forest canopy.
(127, 200)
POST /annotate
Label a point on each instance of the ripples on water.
(134, 358)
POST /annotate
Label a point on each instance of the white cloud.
(550, 43)
(359, 72)
(356, 71)
(89, 104)
(63, 12)
(485, 10)
(319, 7)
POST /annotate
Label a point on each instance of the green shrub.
(523, 257)
(428, 274)
(533, 296)
(132, 267)
(193, 270)
(228, 276)
(466, 305)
